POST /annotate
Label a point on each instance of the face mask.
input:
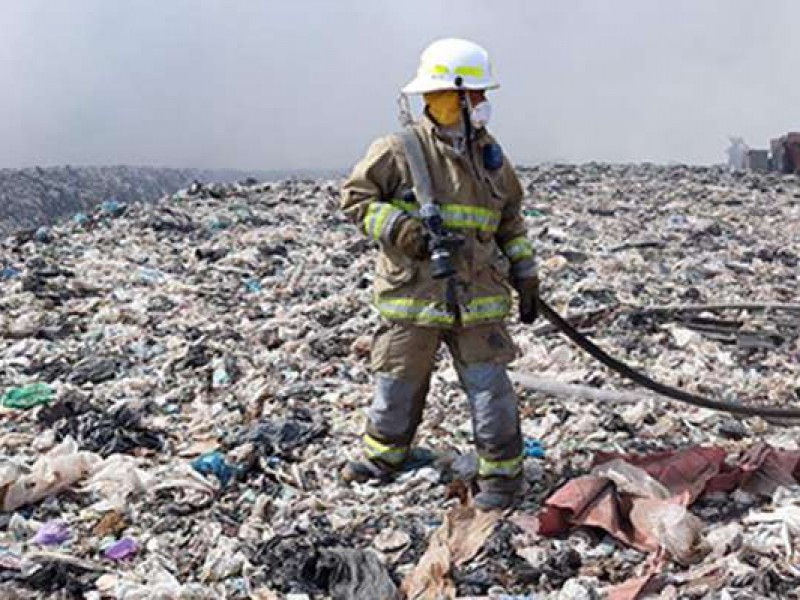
(481, 114)
(444, 107)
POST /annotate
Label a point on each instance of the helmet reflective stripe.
(469, 71)
(448, 60)
(463, 71)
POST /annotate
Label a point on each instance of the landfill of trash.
(181, 381)
(39, 196)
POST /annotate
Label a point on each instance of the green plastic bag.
(28, 396)
(532, 212)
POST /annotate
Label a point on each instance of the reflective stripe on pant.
(403, 358)
(495, 419)
(394, 416)
(392, 455)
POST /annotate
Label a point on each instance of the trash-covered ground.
(182, 381)
(41, 195)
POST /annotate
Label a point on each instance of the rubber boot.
(362, 471)
(499, 493)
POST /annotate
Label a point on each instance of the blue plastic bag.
(214, 463)
(113, 208)
(9, 273)
(42, 235)
(253, 285)
(534, 449)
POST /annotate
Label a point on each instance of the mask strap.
(404, 110)
(463, 101)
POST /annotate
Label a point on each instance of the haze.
(261, 84)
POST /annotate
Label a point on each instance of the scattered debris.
(214, 464)
(28, 396)
(206, 359)
(121, 549)
(52, 533)
(457, 541)
(33, 196)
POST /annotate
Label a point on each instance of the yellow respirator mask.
(444, 107)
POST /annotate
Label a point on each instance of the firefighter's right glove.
(528, 290)
(411, 238)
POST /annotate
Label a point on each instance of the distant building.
(758, 160)
(786, 153)
(783, 155)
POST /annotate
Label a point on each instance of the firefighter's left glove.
(528, 290)
(411, 238)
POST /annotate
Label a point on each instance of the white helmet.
(444, 61)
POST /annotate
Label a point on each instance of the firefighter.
(479, 197)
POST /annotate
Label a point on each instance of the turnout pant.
(403, 359)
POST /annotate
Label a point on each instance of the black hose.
(665, 390)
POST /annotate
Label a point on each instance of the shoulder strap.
(423, 190)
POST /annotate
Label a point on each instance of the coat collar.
(444, 134)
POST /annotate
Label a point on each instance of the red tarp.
(650, 515)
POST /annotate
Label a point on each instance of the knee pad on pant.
(494, 409)
(396, 408)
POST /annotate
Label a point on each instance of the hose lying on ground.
(665, 390)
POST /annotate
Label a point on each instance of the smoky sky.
(263, 84)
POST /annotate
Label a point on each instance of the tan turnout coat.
(483, 206)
